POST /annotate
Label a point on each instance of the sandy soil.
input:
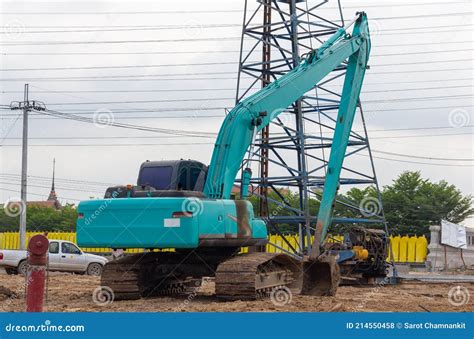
(74, 293)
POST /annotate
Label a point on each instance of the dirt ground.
(74, 293)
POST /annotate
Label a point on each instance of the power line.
(115, 144)
(107, 121)
(121, 53)
(138, 110)
(116, 111)
(141, 28)
(421, 98)
(233, 89)
(166, 137)
(146, 77)
(423, 27)
(421, 157)
(38, 194)
(68, 68)
(422, 62)
(424, 16)
(7, 27)
(421, 136)
(229, 98)
(185, 11)
(426, 43)
(118, 77)
(138, 101)
(121, 66)
(40, 186)
(126, 13)
(422, 71)
(60, 179)
(93, 42)
(211, 52)
(414, 162)
(200, 144)
(78, 111)
(425, 52)
(87, 29)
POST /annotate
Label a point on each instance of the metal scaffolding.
(290, 157)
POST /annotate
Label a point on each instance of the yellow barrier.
(11, 241)
(395, 242)
(405, 249)
(421, 249)
(411, 249)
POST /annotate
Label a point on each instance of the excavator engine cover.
(320, 277)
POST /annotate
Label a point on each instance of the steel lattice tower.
(292, 153)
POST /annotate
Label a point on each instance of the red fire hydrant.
(36, 275)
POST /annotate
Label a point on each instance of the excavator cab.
(180, 175)
(168, 178)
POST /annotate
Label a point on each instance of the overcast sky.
(418, 92)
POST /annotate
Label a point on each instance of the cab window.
(157, 177)
(69, 248)
(54, 247)
(194, 175)
(183, 179)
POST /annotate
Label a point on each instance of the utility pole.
(26, 106)
(24, 170)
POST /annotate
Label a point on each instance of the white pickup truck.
(63, 256)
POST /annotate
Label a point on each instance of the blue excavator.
(186, 206)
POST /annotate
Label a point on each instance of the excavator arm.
(255, 112)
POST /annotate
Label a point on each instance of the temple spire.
(52, 194)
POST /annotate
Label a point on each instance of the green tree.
(275, 209)
(42, 219)
(412, 204)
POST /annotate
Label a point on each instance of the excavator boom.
(252, 114)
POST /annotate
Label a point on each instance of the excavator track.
(254, 275)
(160, 273)
(237, 277)
(122, 277)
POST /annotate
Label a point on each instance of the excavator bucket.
(320, 276)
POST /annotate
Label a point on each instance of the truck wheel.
(23, 267)
(94, 269)
(11, 271)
